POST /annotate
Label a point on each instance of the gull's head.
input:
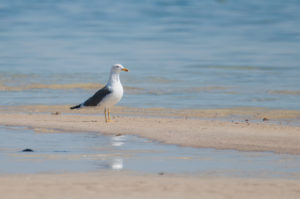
(117, 68)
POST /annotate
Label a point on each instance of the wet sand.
(257, 114)
(132, 185)
(189, 130)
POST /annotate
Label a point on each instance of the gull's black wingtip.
(76, 107)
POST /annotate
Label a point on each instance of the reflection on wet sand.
(117, 141)
(82, 152)
(117, 164)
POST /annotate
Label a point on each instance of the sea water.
(180, 54)
(87, 151)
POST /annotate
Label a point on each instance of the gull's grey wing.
(97, 97)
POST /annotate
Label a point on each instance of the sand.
(185, 131)
(187, 128)
(128, 185)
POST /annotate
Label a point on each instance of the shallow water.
(84, 152)
(181, 54)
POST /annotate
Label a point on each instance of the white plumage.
(109, 95)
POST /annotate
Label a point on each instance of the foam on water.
(55, 151)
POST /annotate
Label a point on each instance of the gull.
(109, 95)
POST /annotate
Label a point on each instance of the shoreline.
(184, 131)
(227, 114)
(177, 129)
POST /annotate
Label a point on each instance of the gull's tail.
(76, 107)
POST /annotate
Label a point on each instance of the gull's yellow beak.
(125, 69)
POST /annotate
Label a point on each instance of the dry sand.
(125, 185)
(184, 128)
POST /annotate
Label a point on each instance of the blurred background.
(180, 53)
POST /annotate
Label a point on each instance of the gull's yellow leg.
(105, 115)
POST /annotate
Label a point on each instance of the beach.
(180, 130)
(210, 107)
(132, 185)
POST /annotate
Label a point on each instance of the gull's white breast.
(114, 97)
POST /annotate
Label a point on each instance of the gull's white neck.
(114, 78)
